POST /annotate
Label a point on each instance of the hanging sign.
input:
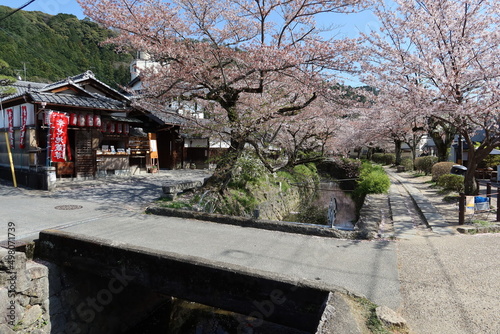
(24, 119)
(10, 120)
(58, 136)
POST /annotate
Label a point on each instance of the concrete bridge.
(281, 277)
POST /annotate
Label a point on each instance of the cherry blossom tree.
(249, 62)
(444, 54)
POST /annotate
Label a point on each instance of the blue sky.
(48, 6)
(346, 25)
(349, 25)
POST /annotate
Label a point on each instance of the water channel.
(328, 194)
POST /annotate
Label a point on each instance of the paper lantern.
(81, 120)
(126, 128)
(73, 119)
(97, 121)
(104, 126)
(111, 127)
(119, 128)
(89, 120)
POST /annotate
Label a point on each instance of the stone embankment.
(24, 294)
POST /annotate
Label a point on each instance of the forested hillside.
(47, 48)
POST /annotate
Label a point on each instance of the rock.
(36, 270)
(4, 329)
(389, 317)
(31, 315)
(39, 290)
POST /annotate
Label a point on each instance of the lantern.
(119, 127)
(97, 121)
(104, 126)
(73, 119)
(81, 120)
(126, 128)
(111, 127)
(89, 120)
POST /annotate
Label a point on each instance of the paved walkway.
(450, 283)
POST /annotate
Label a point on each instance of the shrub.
(424, 164)
(407, 163)
(248, 169)
(441, 168)
(384, 158)
(372, 180)
(451, 182)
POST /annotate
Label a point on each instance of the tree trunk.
(397, 144)
(470, 184)
(442, 134)
(223, 173)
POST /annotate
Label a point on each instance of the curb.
(254, 223)
(478, 229)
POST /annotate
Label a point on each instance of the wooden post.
(7, 141)
(488, 191)
(461, 209)
(498, 204)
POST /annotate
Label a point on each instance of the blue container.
(480, 199)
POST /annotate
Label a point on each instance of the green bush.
(407, 163)
(248, 169)
(372, 180)
(441, 168)
(451, 182)
(384, 158)
(424, 164)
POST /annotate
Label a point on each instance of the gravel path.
(449, 284)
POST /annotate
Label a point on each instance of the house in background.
(78, 127)
(177, 148)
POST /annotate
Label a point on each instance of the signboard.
(24, 120)
(10, 122)
(58, 136)
(153, 147)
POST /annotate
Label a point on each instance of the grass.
(484, 223)
(373, 323)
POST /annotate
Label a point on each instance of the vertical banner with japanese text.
(24, 119)
(58, 136)
(10, 120)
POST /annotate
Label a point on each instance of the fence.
(463, 200)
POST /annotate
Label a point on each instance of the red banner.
(58, 136)
(24, 119)
(10, 120)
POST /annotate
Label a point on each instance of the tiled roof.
(77, 101)
(169, 117)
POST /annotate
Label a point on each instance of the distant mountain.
(47, 48)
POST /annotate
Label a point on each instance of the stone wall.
(24, 294)
(40, 297)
